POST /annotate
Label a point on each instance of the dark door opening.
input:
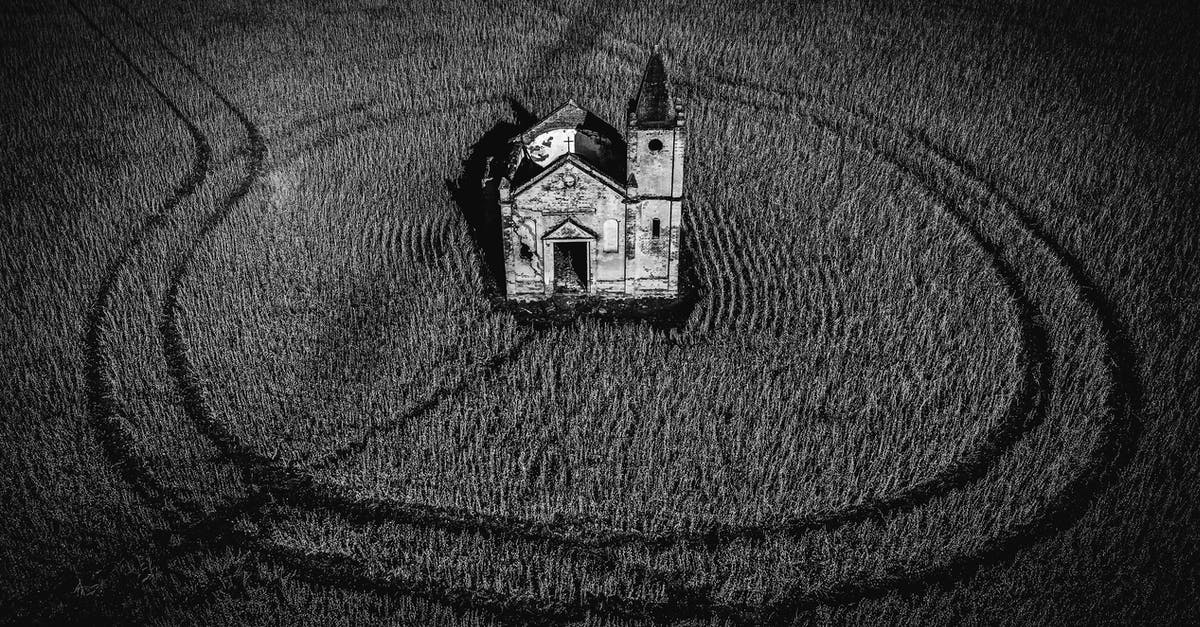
(570, 267)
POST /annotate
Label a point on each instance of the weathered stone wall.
(523, 273)
(654, 169)
(655, 260)
(656, 163)
(570, 192)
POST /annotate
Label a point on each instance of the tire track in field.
(371, 514)
(1126, 397)
(258, 470)
(237, 195)
(577, 38)
(1062, 509)
(335, 570)
(660, 610)
(213, 528)
(211, 531)
(833, 594)
(174, 350)
(294, 485)
(838, 593)
(264, 465)
(1118, 434)
(487, 369)
(104, 409)
(214, 531)
(365, 512)
(1024, 412)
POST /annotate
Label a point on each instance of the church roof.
(653, 103)
(578, 161)
(569, 115)
(566, 116)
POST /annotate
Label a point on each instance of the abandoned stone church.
(585, 211)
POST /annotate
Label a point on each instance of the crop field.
(943, 363)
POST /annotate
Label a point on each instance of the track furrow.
(104, 410)
(727, 279)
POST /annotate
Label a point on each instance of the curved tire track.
(1063, 508)
(104, 410)
(297, 486)
(1059, 511)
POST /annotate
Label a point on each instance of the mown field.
(941, 366)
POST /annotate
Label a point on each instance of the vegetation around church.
(939, 365)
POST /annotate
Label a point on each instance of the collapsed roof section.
(596, 141)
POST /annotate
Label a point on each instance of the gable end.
(582, 165)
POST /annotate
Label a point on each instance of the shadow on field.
(476, 192)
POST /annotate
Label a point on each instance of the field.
(942, 365)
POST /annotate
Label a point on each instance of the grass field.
(941, 366)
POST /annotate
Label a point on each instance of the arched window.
(612, 230)
(655, 227)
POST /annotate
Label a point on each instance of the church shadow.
(476, 193)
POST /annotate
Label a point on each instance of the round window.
(655, 145)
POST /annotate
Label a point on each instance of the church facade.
(585, 211)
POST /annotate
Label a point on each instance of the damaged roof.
(571, 116)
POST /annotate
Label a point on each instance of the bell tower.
(655, 141)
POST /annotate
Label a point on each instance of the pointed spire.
(653, 103)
